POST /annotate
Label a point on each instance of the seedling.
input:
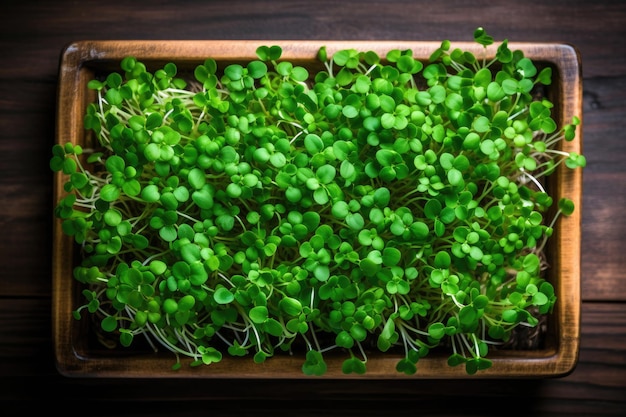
(382, 203)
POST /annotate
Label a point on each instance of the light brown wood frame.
(79, 62)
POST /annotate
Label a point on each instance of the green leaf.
(131, 188)
(456, 359)
(326, 173)
(495, 92)
(256, 69)
(113, 97)
(468, 316)
(112, 217)
(545, 76)
(291, 306)
(269, 53)
(526, 68)
(223, 296)
(574, 160)
(109, 324)
(234, 72)
(110, 192)
(566, 206)
(314, 364)
(480, 302)
(436, 330)
(273, 327)
(353, 366)
(481, 37)
(442, 260)
(437, 94)
(474, 365)
(210, 355)
(313, 143)
(259, 314)
(455, 177)
(355, 221)
(115, 164)
(391, 256)
(406, 367)
(126, 338)
(203, 198)
(168, 233)
(196, 178)
(340, 209)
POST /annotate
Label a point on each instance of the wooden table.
(31, 39)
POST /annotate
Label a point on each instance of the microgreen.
(381, 203)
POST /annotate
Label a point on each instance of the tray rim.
(77, 61)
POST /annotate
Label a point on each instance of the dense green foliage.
(380, 204)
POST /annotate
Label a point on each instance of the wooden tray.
(78, 356)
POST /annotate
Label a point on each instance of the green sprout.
(381, 203)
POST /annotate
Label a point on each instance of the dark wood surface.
(32, 35)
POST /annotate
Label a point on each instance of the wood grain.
(26, 361)
(32, 36)
(594, 27)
